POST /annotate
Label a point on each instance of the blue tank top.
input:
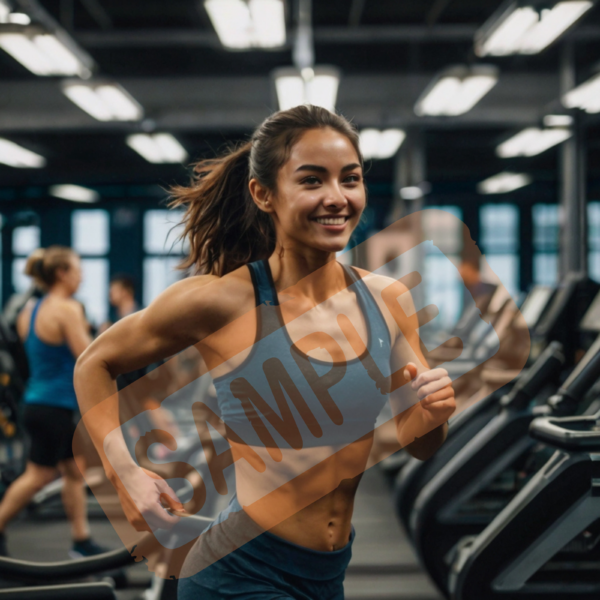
(280, 396)
(51, 370)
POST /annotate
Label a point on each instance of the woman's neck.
(60, 291)
(316, 275)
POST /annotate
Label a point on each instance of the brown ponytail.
(224, 226)
(43, 264)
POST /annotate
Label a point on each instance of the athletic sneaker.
(86, 548)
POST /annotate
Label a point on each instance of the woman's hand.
(144, 496)
(435, 392)
(421, 429)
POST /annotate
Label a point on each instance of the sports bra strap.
(33, 315)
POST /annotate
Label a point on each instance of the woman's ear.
(261, 195)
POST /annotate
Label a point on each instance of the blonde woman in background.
(55, 332)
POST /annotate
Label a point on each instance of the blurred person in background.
(55, 332)
(121, 296)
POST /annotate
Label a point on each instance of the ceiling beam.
(236, 104)
(364, 34)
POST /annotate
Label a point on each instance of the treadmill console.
(591, 319)
(535, 303)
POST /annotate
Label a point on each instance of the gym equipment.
(545, 543)
(468, 423)
(533, 308)
(486, 474)
(574, 292)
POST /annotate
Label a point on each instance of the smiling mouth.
(331, 220)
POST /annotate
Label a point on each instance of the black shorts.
(51, 430)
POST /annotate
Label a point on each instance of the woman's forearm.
(98, 400)
(426, 446)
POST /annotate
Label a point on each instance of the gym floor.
(383, 564)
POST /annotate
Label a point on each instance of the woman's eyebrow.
(320, 169)
(312, 168)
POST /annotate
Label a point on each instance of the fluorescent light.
(43, 54)
(507, 36)
(411, 192)
(18, 19)
(552, 24)
(74, 193)
(268, 19)
(13, 155)
(532, 141)
(558, 120)
(319, 87)
(104, 101)
(158, 147)
(380, 144)
(504, 183)
(321, 90)
(456, 91)
(518, 29)
(290, 91)
(240, 24)
(4, 12)
(586, 96)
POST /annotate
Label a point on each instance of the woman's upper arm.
(176, 319)
(75, 327)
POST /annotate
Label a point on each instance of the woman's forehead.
(324, 144)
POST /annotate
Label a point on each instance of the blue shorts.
(266, 567)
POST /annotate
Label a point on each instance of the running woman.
(264, 223)
(55, 332)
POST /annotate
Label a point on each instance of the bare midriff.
(306, 498)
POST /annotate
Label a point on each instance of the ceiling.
(165, 53)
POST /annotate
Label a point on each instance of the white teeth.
(331, 221)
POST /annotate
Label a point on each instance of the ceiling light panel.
(532, 141)
(318, 87)
(43, 53)
(157, 148)
(456, 91)
(504, 183)
(586, 96)
(380, 144)
(242, 24)
(13, 155)
(528, 27)
(74, 193)
(104, 101)
(4, 12)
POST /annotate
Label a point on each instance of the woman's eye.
(353, 178)
(312, 180)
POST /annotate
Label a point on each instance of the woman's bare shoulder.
(210, 300)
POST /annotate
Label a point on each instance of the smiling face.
(320, 193)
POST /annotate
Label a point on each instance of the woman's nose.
(335, 197)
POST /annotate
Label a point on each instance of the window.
(90, 234)
(594, 240)
(545, 244)
(500, 242)
(164, 251)
(25, 240)
(443, 285)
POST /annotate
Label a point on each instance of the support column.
(409, 175)
(573, 167)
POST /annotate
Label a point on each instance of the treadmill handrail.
(24, 570)
(549, 430)
(16, 569)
